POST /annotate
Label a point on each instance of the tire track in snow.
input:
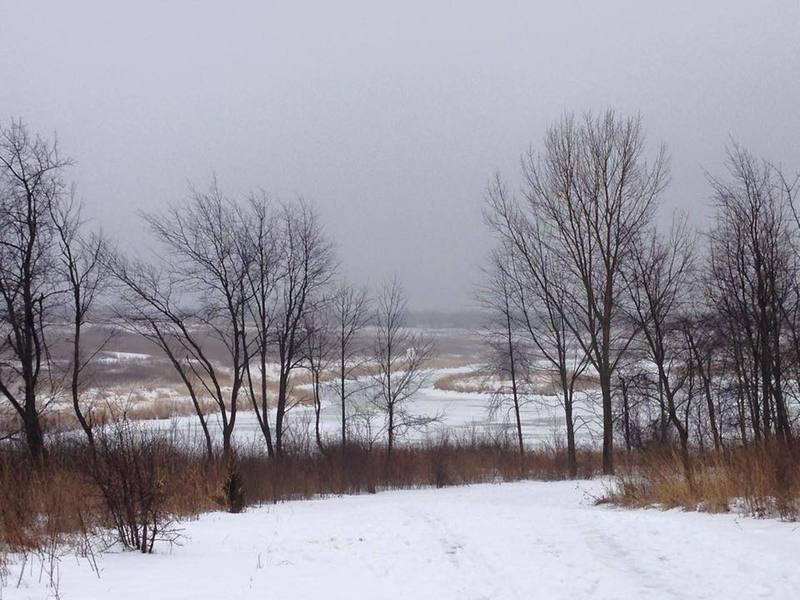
(474, 572)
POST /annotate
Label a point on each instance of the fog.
(391, 120)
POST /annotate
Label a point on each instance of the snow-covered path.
(518, 540)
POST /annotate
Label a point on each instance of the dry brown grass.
(435, 464)
(459, 382)
(37, 506)
(134, 406)
(62, 418)
(759, 480)
(450, 361)
(63, 500)
(544, 383)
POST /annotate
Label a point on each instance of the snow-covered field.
(515, 540)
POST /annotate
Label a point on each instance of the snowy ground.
(520, 540)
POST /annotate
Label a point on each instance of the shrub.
(127, 470)
(233, 488)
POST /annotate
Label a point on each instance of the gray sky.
(390, 120)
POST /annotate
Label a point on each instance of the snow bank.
(518, 540)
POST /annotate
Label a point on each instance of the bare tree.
(658, 282)
(31, 186)
(507, 356)
(307, 266)
(82, 262)
(399, 359)
(752, 278)
(543, 299)
(701, 328)
(636, 397)
(206, 268)
(350, 312)
(318, 352)
(260, 246)
(593, 188)
(149, 307)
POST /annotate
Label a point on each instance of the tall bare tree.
(350, 313)
(31, 186)
(308, 265)
(206, 270)
(542, 296)
(508, 358)
(318, 351)
(658, 282)
(752, 277)
(398, 369)
(594, 190)
(83, 266)
(150, 306)
(260, 247)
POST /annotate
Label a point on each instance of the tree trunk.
(281, 409)
(344, 395)
(76, 369)
(317, 410)
(264, 407)
(608, 424)
(390, 441)
(514, 378)
(626, 415)
(33, 433)
(572, 458)
(227, 434)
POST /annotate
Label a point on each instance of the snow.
(542, 417)
(505, 541)
(116, 357)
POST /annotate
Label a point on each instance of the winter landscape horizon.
(429, 300)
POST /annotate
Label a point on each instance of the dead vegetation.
(83, 499)
(542, 382)
(79, 494)
(145, 405)
(761, 480)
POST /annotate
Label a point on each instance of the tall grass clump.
(760, 479)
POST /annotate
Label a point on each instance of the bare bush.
(134, 487)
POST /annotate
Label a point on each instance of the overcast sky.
(390, 119)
